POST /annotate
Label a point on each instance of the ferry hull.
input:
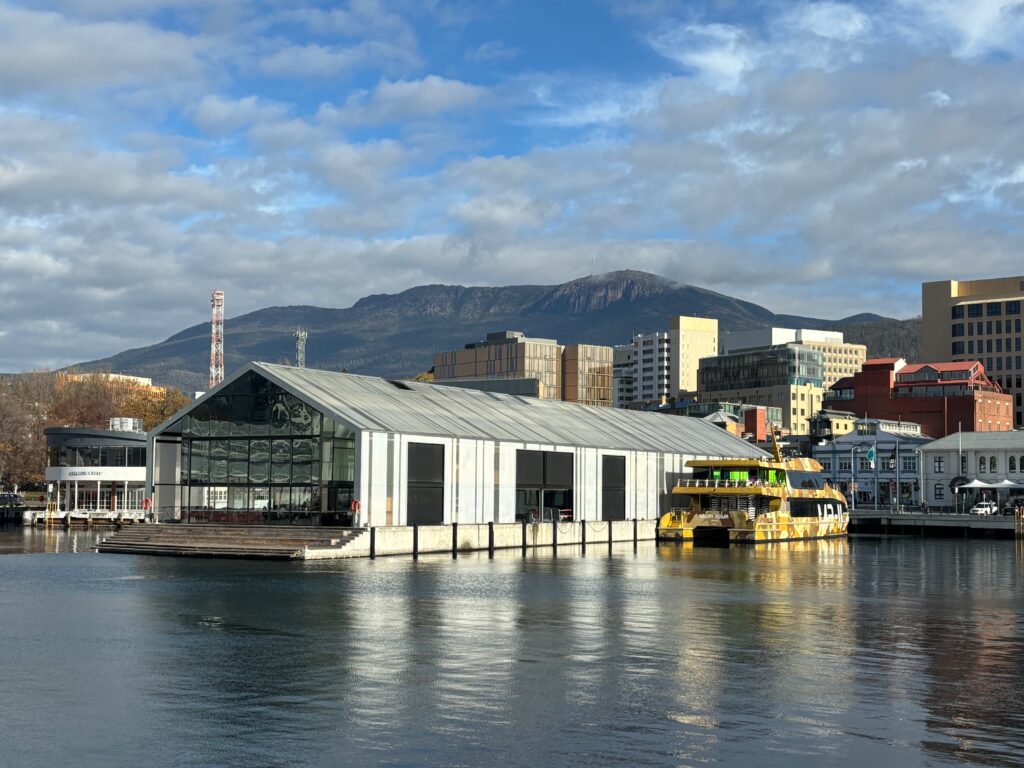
(765, 529)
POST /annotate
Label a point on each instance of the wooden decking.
(270, 542)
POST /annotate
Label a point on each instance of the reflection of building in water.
(279, 444)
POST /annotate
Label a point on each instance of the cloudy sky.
(815, 157)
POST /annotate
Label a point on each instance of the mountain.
(397, 334)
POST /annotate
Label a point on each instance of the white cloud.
(396, 101)
(313, 60)
(838, 21)
(717, 53)
(215, 114)
(492, 50)
(971, 28)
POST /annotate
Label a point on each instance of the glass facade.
(254, 453)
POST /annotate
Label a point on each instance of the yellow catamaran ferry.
(754, 501)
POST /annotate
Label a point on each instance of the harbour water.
(900, 651)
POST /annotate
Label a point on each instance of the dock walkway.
(274, 542)
(933, 523)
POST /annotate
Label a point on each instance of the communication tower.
(216, 338)
(300, 348)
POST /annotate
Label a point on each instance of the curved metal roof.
(370, 403)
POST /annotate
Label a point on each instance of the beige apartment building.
(690, 339)
(580, 373)
(977, 320)
(841, 358)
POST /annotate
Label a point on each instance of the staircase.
(270, 542)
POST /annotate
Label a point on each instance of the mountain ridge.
(397, 334)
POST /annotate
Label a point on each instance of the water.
(874, 652)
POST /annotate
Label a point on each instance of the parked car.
(984, 508)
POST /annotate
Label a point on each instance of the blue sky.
(819, 158)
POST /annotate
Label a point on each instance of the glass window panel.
(238, 471)
(260, 498)
(304, 450)
(302, 473)
(280, 473)
(238, 498)
(259, 471)
(281, 451)
(219, 417)
(200, 420)
(241, 408)
(259, 450)
(280, 500)
(218, 470)
(238, 449)
(218, 449)
(280, 412)
(300, 417)
(301, 499)
(184, 462)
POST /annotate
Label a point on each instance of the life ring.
(355, 506)
(147, 504)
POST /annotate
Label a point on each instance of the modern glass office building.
(275, 444)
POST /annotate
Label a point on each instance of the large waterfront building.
(280, 444)
(977, 320)
(787, 376)
(579, 373)
(893, 473)
(941, 397)
(97, 470)
(660, 366)
(840, 358)
(957, 459)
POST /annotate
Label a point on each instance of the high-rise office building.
(660, 366)
(841, 358)
(977, 320)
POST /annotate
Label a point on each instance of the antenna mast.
(216, 338)
(300, 347)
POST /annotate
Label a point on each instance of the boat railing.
(712, 483)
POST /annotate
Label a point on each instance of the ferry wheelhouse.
(754, 501)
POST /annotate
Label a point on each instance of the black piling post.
(611, 526)
(455, 541)
(583, 536)
(415, 542)
(524, 537)
(554, 535)
(634, 534)
(490, 539)
(373, 542)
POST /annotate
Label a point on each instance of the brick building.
(941, 397)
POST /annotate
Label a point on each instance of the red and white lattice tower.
(216, 338)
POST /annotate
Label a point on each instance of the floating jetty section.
(935, 524)
(281, 542)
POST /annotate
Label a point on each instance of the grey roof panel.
(1011, 440)
(370, 403)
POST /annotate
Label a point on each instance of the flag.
(892, 459)
(871, 456)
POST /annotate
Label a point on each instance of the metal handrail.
(709, 483)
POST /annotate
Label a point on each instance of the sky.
(820, 158)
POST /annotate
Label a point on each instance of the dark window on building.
(426, 484)
(988, 345)
(988, 327)
(992, 464)
(613, 487)
(957, 312)
(939, 491)
(993, 309)
(974, 310)
(970, 347)
(958, 348)
(544, 486)
(938, 462)
(1013, 307)
(958, 329)
(970, 329)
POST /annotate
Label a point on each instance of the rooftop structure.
(840, 358)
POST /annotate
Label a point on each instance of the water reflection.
(887, 651)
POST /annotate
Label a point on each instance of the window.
(938, 463)
(958, 348)
(909, 463)
(981, 465)
(958, 329)
(974, 310)
(425, 502)
(999, 326)
(1013, 307)
(939, 491)
(957, 312)
(1011, 464)
(1020, 463)
(970, 347)
(864, 465)
(992, 464)
(844, 465)
(993, 309)
(963, 464)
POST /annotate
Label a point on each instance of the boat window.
(807, 480)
